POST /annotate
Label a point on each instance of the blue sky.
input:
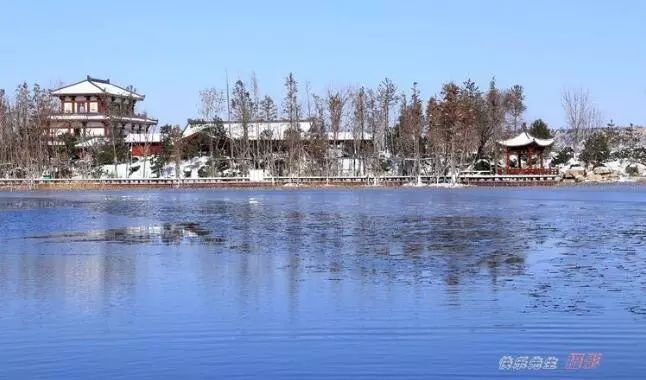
(171, 50)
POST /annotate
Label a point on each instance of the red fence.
(140, 150)
(515, 171)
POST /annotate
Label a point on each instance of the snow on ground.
(142, 169)
(436, 185)
(621, 165)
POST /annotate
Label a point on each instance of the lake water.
(361, 284)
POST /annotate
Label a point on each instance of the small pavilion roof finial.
(107, 81)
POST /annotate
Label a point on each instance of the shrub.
(563, 156)
(632, 170)
(637, 154)
(482, 165)
(105, 152)
(595, 151)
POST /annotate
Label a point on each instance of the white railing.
(469, 177)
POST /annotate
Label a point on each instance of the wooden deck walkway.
(473, 178)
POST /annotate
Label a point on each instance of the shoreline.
(100, 185)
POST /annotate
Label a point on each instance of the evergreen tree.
(163, 158)
(595, 150)
(540, 130)
(515, 105)
(267, 108)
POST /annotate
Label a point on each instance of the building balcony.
(102, 117)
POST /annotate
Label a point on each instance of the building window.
(94, 107)
(80, 107)
(67, 107)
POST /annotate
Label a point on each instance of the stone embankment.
(601, 174)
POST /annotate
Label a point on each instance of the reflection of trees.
(418, 246)
(87, 283)
(299, 236)
(34, 203)
(412, 247)
(463, 245)
(167, 233)
(293, 232)
(351, 243)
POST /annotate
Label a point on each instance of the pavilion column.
(542, 167)
(507, 162)
(529, 157)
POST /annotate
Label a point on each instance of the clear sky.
(171, 50)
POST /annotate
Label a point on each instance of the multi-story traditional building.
(97, 108)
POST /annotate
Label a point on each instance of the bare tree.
(336, 102)
(116, 109)
(177, 150)
(292, 112)
(267, 113)
(437, 137)
(387, 98)
(580, 114)
(410, 129)
(373, 120)
(359, 128)
(495, 115)
(212, 103)
(318, 135)
(6, 136)
(23, 133)
(449, 122)
(255, 99)
(242, 106)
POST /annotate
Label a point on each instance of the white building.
(270, 130)
(96, 108)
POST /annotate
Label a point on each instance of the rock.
(594, 177)
(602, 170)
(573, 173)
(579, 178)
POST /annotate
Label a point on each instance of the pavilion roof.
(525, 139)
(93, 86)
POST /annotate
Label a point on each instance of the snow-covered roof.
(254, 130)
(143, 138)
(525, 139)
(93, 86)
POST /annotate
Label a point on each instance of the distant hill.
(618, 137)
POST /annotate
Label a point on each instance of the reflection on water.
(167, 233)
(333, 283)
